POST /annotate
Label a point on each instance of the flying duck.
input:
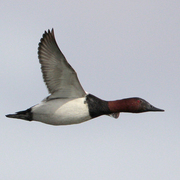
(68, 103)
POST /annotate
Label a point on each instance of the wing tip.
(47, 35)
(49, 32)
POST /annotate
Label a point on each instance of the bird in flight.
(68, 103)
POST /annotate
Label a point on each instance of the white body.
(61, 111)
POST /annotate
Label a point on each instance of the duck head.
(132, 105)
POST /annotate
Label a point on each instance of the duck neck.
(97, 107)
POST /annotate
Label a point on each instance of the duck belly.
(62, 111)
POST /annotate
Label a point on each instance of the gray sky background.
(119, 49)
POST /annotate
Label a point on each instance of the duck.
(68, 103)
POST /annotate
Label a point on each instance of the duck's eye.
(139, 101)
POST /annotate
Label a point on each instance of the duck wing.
(59, 77)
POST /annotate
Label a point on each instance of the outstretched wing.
(60, 78)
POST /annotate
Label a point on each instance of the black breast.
(97, 107)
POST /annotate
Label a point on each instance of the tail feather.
(26, 115)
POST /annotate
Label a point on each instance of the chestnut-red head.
(133, 105)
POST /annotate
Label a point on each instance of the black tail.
(27, 115)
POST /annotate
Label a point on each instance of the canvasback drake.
(68, 103)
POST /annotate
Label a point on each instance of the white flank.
(56, 112)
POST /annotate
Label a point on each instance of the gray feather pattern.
(60, 78)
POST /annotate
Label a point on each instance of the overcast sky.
(119, 49)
